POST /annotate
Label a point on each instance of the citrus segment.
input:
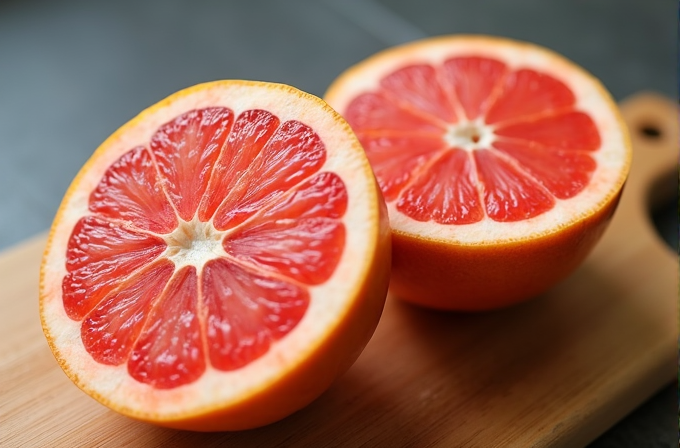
(563, 172)
(185, 150)
(252, 129)
(526, 93)
(412, 87)
(130, 191)
(491, 154)
(210, 254)
(474, 82)
(110, 330)
(572, 130)
(293, 153)
(509, 194)
(445, 192)
(377, 112)
(99, 252)
(395, 158)
(246, 312)
(299, 237)
(169, 351)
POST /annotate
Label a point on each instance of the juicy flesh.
(199, 247)
(472, 139)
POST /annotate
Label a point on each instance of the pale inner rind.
(612, 158)
(329, 301)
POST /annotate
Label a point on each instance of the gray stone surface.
(71, 72)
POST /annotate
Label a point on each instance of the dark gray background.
(71, 72)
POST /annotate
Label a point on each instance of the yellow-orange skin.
(451, 276)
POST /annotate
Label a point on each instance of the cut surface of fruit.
(219, 260)
(501, 163)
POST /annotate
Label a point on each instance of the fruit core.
(469, 135)
(194, 243)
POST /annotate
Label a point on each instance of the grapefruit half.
(501, 163)
(219, 260)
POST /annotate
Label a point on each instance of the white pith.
(612, 158)
(329, 301)
(469, 135)
(194, 243)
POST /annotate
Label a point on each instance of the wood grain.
(554, 372)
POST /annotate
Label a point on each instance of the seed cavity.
(469, 135)
(194, 243)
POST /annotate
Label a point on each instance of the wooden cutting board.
(557, 371)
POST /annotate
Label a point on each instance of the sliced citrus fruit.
(219, 260)
(501, 163)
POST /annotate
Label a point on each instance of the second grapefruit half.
(501, 163)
